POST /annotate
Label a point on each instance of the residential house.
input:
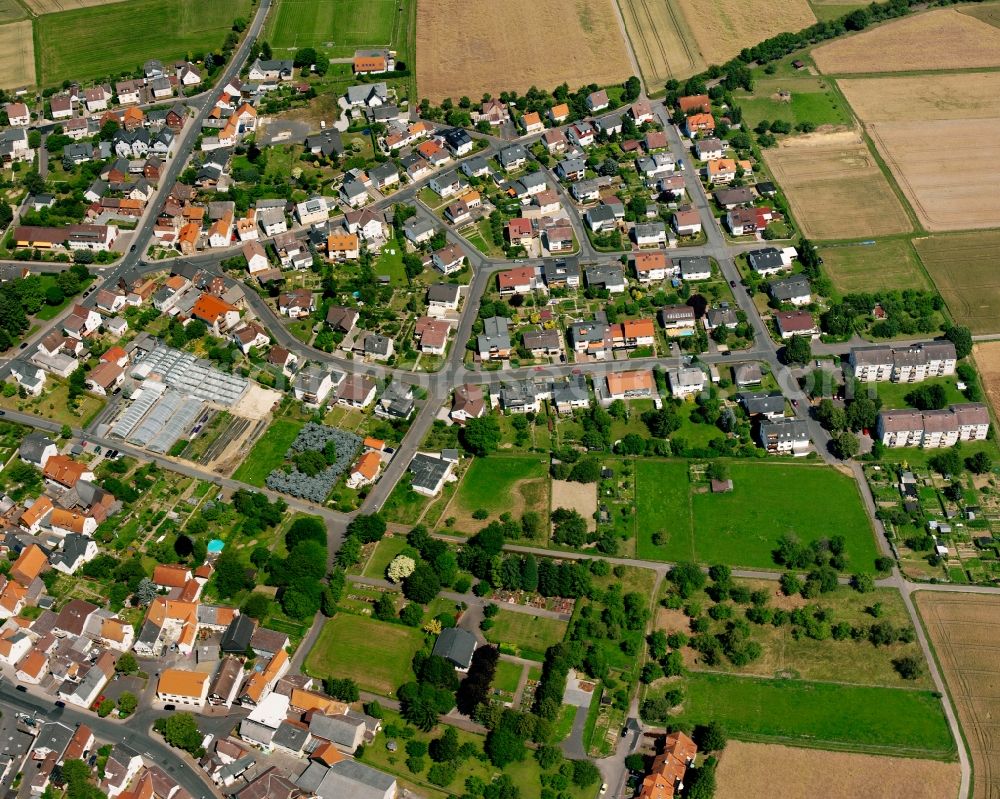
(219, 315)
(699, 124)
(182, 687)
(521, 280)
(494, 342)
(543, 343)
(512, 157)
(312, 211)
(428, 473)
(448, 259)
(609, 276)
(767, 261)
(630, 385)
(796, 323)
(686, 381)
(341, 319)
(377, 347)
(765, 404)
(743, 221)
(785, 436)
(442, 298)
(356, 390)
(709, 149)
(649, 234)
(677, 320)
(687, 222)
(794, 290)
(343, 246)
(256, 257)
(36, 449)
(532, 123)
(431, 335)
(592, 339)
(597, 101)
(910, 364)
(968, 421)
(313, 384)
(554, 140)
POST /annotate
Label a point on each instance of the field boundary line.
(842, 746)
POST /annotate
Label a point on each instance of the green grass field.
(269, 452)
(375, 654)
(742, 527)
(530, 634)
(344, 24)
(386, 550)
(107, 40)
(893, 394)
(821, 715)
(507, 677)
(885, 265)
(813, 100)
(490, 483)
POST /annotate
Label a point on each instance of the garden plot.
(317, 458)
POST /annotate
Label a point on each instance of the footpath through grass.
(887, 721)
(269, 452)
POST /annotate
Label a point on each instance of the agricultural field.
(963, 267)
(904, 98)
(531, 635)
(742, 527)
(939, 39)
(947, 189)
(987, 12)
(661, 40)
(11, 11)
(375, 654)
(17, 55)
(39, 7)
(965, 633)
(269, 452)
(987, 355)
(722, 28)
(515, 45)
(338, 27)
(890, 721)
(813, 100)
(747, 769)
(500, 484)
(887, 265)
(835, 187)
(106, 40)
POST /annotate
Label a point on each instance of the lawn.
(49, 312)
(384, 552)
(741, 528)
(531, 635)
(893, 395)
(507, 677)
(883, 265)
(823, 715)
(269, 452)
(107, 40)
(495, 484)
(375, 654)
(390, 263)
(336, 26)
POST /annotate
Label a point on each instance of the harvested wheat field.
(970, 95)
(940, 39)
(835, 188)
(581, 497)
(722, 28)
(783, 772)
(963, 267)
(17, 55)
(467, 47)
(40, 7)
(661, 39)
(947, 189)
(965, 632)
(987, 355)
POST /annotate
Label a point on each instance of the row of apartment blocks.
(904, 364)
(967, 421)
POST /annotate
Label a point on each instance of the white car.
(604, 789)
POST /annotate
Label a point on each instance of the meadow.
(375, 654)
(500, 484)
(110, 39)
(963, 267)
(339, 27)
(742, 527)
(813, 100)
(269, 452)
(532, 635)
(856, 718)
(890, 264)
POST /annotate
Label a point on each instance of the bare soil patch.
(748, 769)
(971, 671)
(963, 268)
(835, 187)
(987, 355)
(256, 403)
(581, 497)
(467, 47)
(17, 55)
(724, 27)
(939, 39)
(973, 95)
(947, 189)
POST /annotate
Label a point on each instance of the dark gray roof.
(354, 779)
(291, 736)
(766, 258)
(427, 471)
(763, 402)
(74, 547)
(339, 729)
(443, 292)
(34, 445)
(789, 287)
(605, 275)
(237, 636)
(455, 645)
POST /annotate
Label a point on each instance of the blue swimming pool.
(215, 546)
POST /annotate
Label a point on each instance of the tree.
(368, 528)
(305, 528)
(961, 337)
(481, 436)
(688, 578)
(180, 730)
(845, 446)
(586, 470)
(346, 690)
(127, 703)
(798, 350)
(230, 574)
(699, 783)
(585, 773)
(126, 664)
(422, 585)
(947, 462)
(402, 566)
(305, 57)
(444, 748)
(863, 583)
(146, 591)
(257, 606)
(908, 667)
(411, 615)
(980, 463)
(504, 746)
